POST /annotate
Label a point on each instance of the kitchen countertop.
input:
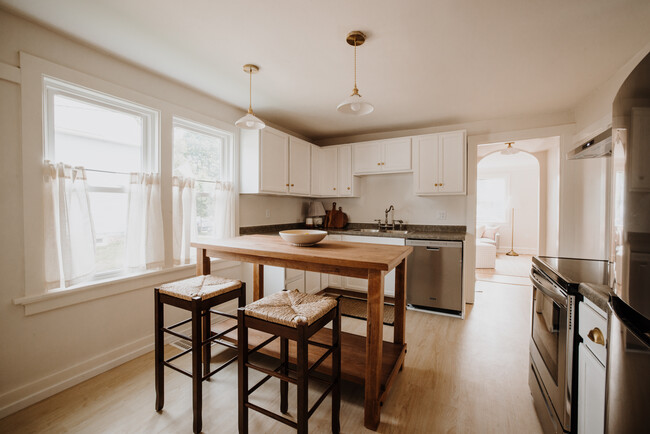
(421, 232)
(597, 294)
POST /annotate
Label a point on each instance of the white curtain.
(69, 232)
(144, 230)
(224, 210)
(183, 217)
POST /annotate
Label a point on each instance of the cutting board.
(336, 219)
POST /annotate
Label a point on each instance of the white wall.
(282, 209)
(378, 192)
(47, 352)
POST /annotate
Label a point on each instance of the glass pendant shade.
(355, 105)
(250, 122)
(510, 150)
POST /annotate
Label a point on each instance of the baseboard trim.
(31, 393)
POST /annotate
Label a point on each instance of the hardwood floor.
(461, 376)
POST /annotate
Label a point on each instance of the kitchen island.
(381, 360)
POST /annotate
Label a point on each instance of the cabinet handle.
(436, 185)
(383, 164)
(348, 188)
(596, 336)
(334, 188)
(441, 184)
(378, 164)
(287, 185)
(292, 185)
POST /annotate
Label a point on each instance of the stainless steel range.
(553, 344)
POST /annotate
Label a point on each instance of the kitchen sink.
(389, 231)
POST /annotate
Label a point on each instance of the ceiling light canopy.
(250, 121)
(355, 104)
(510, 150)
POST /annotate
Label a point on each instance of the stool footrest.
(277, 417)
(185, 321)
(319, 344)
(181, 354)
(322, 398)
(273, 373)
(178, 335)
(225, 364)
(321, 360)
(263, 344)
(263, 380)
(176, 368)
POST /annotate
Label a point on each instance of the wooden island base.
(353, 357)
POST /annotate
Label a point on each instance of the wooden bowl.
(303, 237)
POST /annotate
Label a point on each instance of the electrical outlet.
(442, 215)
(268, 213)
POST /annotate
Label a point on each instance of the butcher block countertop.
(334, 253)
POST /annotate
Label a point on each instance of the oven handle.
(549, 290)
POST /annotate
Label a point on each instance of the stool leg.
(197, 395)
(284, 386)
(336, 371)
(159, 350)
(303, 378)
(242, 348)
(207, 351)
(242, 295)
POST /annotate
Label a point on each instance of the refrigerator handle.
(631, 319)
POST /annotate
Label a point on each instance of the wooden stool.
(296, 316)
(197, 295)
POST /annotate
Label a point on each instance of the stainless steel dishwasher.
(435, 276)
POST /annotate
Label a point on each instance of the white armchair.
(487, 242)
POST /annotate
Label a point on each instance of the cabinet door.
(299, 166)
(274, 176)
(298, 284)
(328, 171)
(397, 155)
(591, 392)
(357, 284)
(345, 170)
(426, 164)
(367, 158)
(274, 279)
(316, 189)
(312, 282)
(334, 280)
(451, 167)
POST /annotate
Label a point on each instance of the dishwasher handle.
(433, 249)
(434, 244)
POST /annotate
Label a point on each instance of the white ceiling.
(425, 62)
(530, 145)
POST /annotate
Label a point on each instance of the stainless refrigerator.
(627, 406)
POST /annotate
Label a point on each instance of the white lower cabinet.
(361, 285)
(278, 278)
(591, 392)
(592, 357)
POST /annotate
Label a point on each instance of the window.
(201, 154)
(492, 200)
(110, 138)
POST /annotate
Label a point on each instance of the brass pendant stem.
(250, 91)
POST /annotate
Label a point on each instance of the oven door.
(548, 345)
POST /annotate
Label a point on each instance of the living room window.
(492, 200)
(99, 150)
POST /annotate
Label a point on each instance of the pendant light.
(510, 150)
(355, 104)
(250, 121)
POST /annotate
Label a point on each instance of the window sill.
(92, 291)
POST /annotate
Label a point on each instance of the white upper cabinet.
(346, 181)
(273, 162)
(382, 156)
(274, 158)
(332, 171)
(439, 162)
(299, 166)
